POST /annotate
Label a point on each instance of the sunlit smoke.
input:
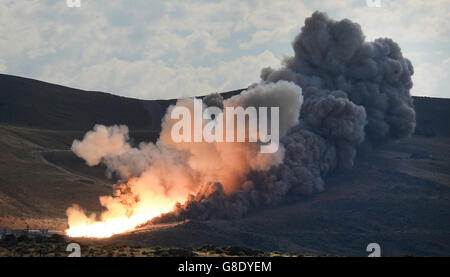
(157, 176)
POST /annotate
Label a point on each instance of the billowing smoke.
(332, 55)
(337, 92)
(156, 176)
(352, 91)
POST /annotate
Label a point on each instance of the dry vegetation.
(55, 246)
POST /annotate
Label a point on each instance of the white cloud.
(152, 49)
(428, 79)
(156, 79)
(199, 45)
(406, 21)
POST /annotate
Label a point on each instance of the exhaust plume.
(337, 92)
(157, 176)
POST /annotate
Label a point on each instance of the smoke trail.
(350, 92)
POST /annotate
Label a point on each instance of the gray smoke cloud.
(332, 55)
(354, 91)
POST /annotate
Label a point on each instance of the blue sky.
(165, 49)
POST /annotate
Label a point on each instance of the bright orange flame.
(122, 213)
(105, 229)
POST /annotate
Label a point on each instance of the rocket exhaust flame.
(336, 93)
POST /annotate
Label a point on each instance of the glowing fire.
(158, 175)
(125, 211)
(115, 225)
(107, 228)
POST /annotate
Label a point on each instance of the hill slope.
(36, 104)
(397, 195)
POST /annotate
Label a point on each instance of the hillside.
(433, 116)
(36, 104)
(397, 195)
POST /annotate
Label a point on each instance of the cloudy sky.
(164, 49)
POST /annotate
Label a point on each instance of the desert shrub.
(207, 248)
(162, 253)
(38, 239)
(57, 238)
(23, 238)
(22, 250)
(8, 240)
(175, 252)
(146, 253)
(242, 251)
